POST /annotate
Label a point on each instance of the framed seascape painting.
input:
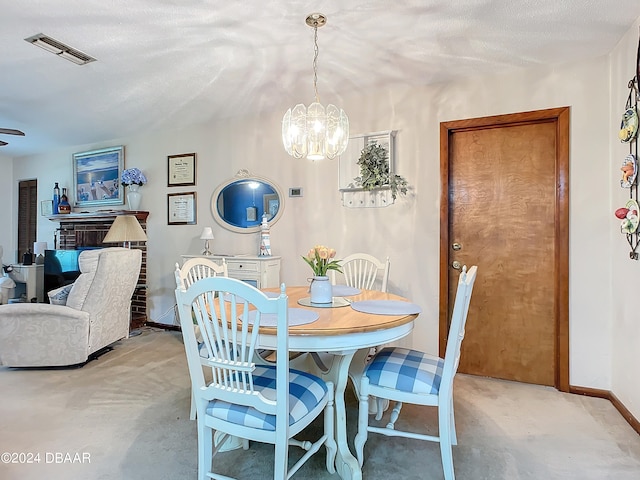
(96, 177)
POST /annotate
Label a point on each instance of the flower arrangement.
(133, 176)
(374, 171)
(319, 259)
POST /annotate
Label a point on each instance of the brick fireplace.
(88, 230)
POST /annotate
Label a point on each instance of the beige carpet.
(126, 416)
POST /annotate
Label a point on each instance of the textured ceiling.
(168, 63)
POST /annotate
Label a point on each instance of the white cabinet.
(261, 272)
(33, 278)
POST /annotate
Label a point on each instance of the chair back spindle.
(361, 270)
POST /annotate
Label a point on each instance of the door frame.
(561, 222)
(27, 217)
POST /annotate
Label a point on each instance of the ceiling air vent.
(60, 49)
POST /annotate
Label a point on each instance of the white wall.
(625, 316)
(8, 239)
(409, 230)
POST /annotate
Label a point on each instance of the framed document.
(181, 170)
(46, 208)
(181, 208)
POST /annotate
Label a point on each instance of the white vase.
(133, 197)
(321, 291)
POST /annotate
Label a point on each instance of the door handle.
(456, 246)
(456, 265)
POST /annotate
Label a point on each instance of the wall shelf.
(97, 216)
(357, 197)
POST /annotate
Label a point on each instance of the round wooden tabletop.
(343, 320)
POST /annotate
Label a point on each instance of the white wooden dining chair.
(410, 376)
(264, 403)
(192, 270)
(197, 268)
(362, 270)
(365, 271)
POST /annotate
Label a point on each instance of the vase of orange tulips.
(321, 260)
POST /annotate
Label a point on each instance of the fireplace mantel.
(98, 216)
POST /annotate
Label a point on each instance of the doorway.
(27, 216)
(505, 208)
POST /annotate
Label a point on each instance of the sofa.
(81, 319)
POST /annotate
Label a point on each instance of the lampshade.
(315, 132)
(125, 229)
(207, 234)
(39, 248)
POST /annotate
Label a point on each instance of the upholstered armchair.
(95, 313)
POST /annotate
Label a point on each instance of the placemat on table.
(386, 307)
(297, 316)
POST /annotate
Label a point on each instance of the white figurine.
(265, 241)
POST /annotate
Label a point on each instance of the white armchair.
(96, 314)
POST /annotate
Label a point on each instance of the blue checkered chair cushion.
(405, 370)
(306, 391)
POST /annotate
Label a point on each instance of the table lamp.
(38, 251)
(125, 229)
(206, 235)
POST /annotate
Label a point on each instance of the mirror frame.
(245, 175)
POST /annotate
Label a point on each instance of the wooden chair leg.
(281, 460)
(378, 406)
(444, 426)
(329, 426)
(454, 435)
(205, 450)
(192, 413)
(363, 420)
(395, 413)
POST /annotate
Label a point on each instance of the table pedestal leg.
(338, 372)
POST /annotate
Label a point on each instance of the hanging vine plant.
(375, 171)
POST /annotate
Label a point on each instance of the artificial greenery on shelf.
(374, 171)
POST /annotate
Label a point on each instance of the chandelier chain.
(315, 62)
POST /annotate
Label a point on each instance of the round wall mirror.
(239, 203)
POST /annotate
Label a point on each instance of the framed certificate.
(181, 208)
(46, 208)
(181, 170)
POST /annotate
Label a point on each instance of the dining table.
(354, 322)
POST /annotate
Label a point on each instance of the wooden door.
(505, 207)
(27, 216)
